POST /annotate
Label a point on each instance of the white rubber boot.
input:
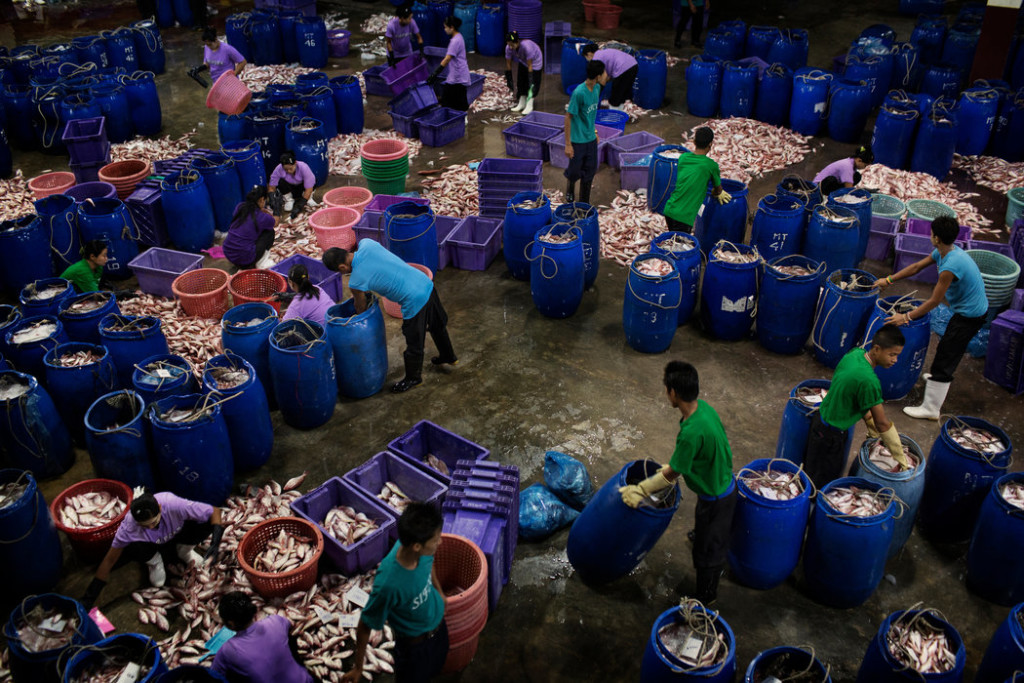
(529, 106)
(188, 554)
(266, 262)
(931, 406)
(157, 574)
(520, 105)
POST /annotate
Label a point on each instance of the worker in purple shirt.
(309, 302)
(454, 94)
(843, 173)
(251, 233)
(219, 57)
(261, 651)
(398, 35)
(531, 69)
(291, 186)
(157, 521)
(621, 69)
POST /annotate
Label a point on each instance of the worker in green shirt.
(704, 460)
(85, 274)
(855, 394)
(581, 132)
(693, 172)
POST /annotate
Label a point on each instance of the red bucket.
(384, 149)
(333, 227)
(51, 183)
(280, 584)
(203, 293)
(607, 16)
(256, 285)
(588, 8)
(352, 197)
(91, 544)
(395, 309)
(229, 95)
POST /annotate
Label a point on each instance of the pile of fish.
(335, 20)
(530, 204)
(694, 639)
(377, 23)
(87, 304)
(882, 458)
(152, 149)
(294, 236)
(677, 244)
(195, 339)
(15, 197)
(496, 95)
(11, 492)
(655, 267)
(773, 485)
(33, 293)
(259, 77)
(833, 215)
(229, 378)
(811, 396)
(992, 172)
(564, 238)
(343, 150)
(746, 149)
(792, 271)
(109, 669)
(284, 553)
(627, 227)
(33, 332)
(791, 666)
(976, 439)
(853, 283)
(77, 359)
(433, 462)
(858, 502)
(346, 525)
(453, 192)
(41, 629)
(909, 185)
(394, 497)
(371, 49)
(11, 388)
(920, 645)
(91, 510)
(733, 255)
(1013, 493)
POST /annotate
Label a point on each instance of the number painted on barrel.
(186, 472)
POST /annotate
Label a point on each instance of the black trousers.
(950, 351)
(263, 243)
(192, 533)
(829, 185)
(712, 530)
(431, 318)
(622, 87)
(824, 457)
(296, 190)
(695, 28)
(417, 661)
(147, 8)
(453, 96)
(583, 164)
(678, 226)
(523, 81)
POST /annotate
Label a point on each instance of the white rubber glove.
(634, 494)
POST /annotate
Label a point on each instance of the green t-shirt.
(702, 454)
(582, 108)
(82, 276)
(692, 175)
(855, 389)
(405, 598)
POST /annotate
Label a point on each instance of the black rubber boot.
(570, 191)
(707, 585)
(585, 186)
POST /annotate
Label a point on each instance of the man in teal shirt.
(581, 133)
(694, 171)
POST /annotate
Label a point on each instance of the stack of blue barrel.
(293, 34)
(87, 145)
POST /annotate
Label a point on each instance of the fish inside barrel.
(773, 485)
(252, 322)
(670, 154)
(849, 198)
(852, 283)
(789, 666)
(12, 387)
(77, 359)
(109, 669)
(86, 305)
(530, 203)
(37, 331)
(39, 629)
(858, 502)
(158, 372)
(976, 439)
(33, 293)
(90, 510)
(655, 267)
(694, 638)
(811, 396)
(283, 553)
(732, 255)
(11, 492)
(881, 457)
(346, 525)
(791, 271)
(394, 497)
(1013, 493)
(229, 378)
(563, 238)
(919, 644)
(677, 244)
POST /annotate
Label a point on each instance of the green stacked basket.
(1014, 206)
(1000, 274)
(887, 206)
(928, 209)
(385, 165)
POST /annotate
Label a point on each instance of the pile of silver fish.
(563, 238)
(345, 524)
(152, 149)
(87, 304)
(394, 497)
(285, 552)
(882, 458)
(920, 645)
(694, 639)
(77, 359)
(436, 463)
(811, 396)
(109, 669)
(792, 271)
(1013, 493)
(733, 256)
(677, 244)
(747, 149)
(377, 23)
(195, 339)
(41, 629)
(334, 20)
(259, 77)
(453, 192)
(34, 294)
(229, 378)
(11, 492)
(655, 267)
(627, 227)
(91, 510)
(857, 502)
(246, 323)
(774, 485)
(343, 150)
(992, 172)
(15, 197)
(530, 204)
(496, 96)
(37, 331)
(909, 185)
(976, 439)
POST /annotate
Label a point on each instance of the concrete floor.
(527, 384)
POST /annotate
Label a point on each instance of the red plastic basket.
(229, 95)
(384, 149)
(588, 8)
(352, 197)
(51, 183)
(607, 16)
(280, 584)
(395, 309)
(203, 293)
(257, 285)
(460, 562)
(125, 175)
(92, 544)
(333, 227)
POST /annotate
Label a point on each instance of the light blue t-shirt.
(966, 295)
(582, 108)
(375, 269)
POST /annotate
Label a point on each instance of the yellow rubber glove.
(634, 494)
(723, 197)
(873, 432)
(891, 440)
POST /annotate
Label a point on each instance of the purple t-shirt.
(309, 308)
(458, 67)
(842, 169)
(223, 59)
(240, 244)
(303, 175)
(401, 36)
(616, 62)
(260, 654)
(174, 512)
(528, 51)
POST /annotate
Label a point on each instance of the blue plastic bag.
(568, 479)
(541, 513)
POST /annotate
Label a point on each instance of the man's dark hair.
(888, 336)
(237, 609)
(946, 229)
(92, 248)
(865, 154)
(703, 137)
(334, 257)
(403, 11)
(288, 157)
(209, 33)
(512, 37)
(145, 508)
(453, 22)
(595, 67)
(588, 49)
(681, 377)
(418, 523)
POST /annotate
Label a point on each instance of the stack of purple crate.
(1017, 245)
(525, 17)
(498, 180)
(554, 33)
(145, 205)
(86, 141)
(1004, 362)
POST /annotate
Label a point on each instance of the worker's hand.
(891, 440)
(872, 429)
(215, 537)
(508, 79)
(634, 494)
(421, 46)
(352, 676)
(436, 76)
(898, 319)
(391, 58)
(568, 150)
(92, 593)
(881, 284)
(723, 197)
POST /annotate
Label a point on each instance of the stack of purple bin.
(525, 17)
(498, 180)
(86, 141)
(1004, 362)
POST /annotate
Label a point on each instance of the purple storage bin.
(369, 550)
(434, 55)
(554, 33)
(998, 247)
(528, 140)
(157, 269)
(330, 282)
(413, 100)
(476, 86)
(881, 237)
(488, 532)
(428, 438)
(444, 225)
(406, 125)
(1004, 361)
(383, 201)
(369, 227)
(491, 469)
(145, 205)
(372, 475)
(475, 242)
(640, 142)
(556, 146)
(923, 226)
(911, 248)
(542, 118)
(407, 72)
(632, 175)
(441, 126)
(97, 189)
(337, 42)
(88, 172)
(374, 82)
(86, 140)
(461, 504)
(509, 170)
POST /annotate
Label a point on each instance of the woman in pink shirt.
(311, 301)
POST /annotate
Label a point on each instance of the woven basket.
(203, 293)
(333, 227)
(384, 149)
(351, 197)
(51, 183)
(928, 209)
(887, 206)
(280, 584)
(395, 309)
(92, 544)
(256, 285)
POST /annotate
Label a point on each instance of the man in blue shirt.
(961, 285)
(581, 133)
(372, 268)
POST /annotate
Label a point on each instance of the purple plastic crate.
(923, 226)
(407, 72)
(369, 227)
(157, 269)
(556, 146)
(434, 55)
(509, 170)
(475, 242)
(369, 550)
(633, 176)
(554, 33)
(86, 140)
(375, 84)
(373, 475)
(413, 100)
(406, 125)
(318, 274)
(881, 237)
(89, 172)
(460, 503)
(1004, 361)
(145, 205)
(497, 471)
(488, 532)
(542, 118)
(442, 126)
(640, 142)
(911, 248)
(528, 140)
(998, 247)
(428, 438)
(444, 225)
(383, 201)
(476, 87)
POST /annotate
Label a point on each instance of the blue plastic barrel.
(842, 314)
(849, 107)
(33, 306)
(935, 143)
(574, 65)
(29, 664)
(650, 307)
(466, 11)
(521, 224)
(928, 37)
(893, 137)
(660, 664)
(143, 102)
(490, 33)
(995, 565)
(27, 356)
(108, 220)
(805, 190)
(121, 49)
(652, 76)
(245, 331)
(880, 666)
(721, 42)
(833, 234)
(723, 221)
(957, 480)
(1005, 652)
(609, 538)
(149, 46)
(360, 348)
(24, 252)
(796, 658)
(767, 535)
(183, 13)
(27, 530)
(245, 409)
(231, 127)
(117, 437)
(134, 647)
(188, 210)
(289, 36)
(428, 28)
(32, 435)
(557, 270)
(585, 217)
(248, 163)
(265, 39)
(307, 138)
(778, 226)
(91, 49)
(165, 13)
(739, 88)
(759, 41)
(774, 93)
(786, 304)
(661, 176)
(113, 104)
(222, 184)
(941, 80)
(18, 109)
(906, 66)
(193, 456)
(131, 339)
(411, 234)
(684, 250)
(1007, 140)
(80, 314)
(75, 388)
(872, 71)
(9, 317)
(908, 485)
(236, 29)
(791, 47)
(898, 380)
(859, 201)
(303, 372)
(977, 110)
(320, 106)
(808, 110)
(703, 85)
(348, 103)
(311, 39)
(844, 558)
(960, 45)
(162, 375)
(268, 131)
(728, 299)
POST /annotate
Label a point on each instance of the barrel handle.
(433, 220)
(678, 278)
(71, 231)
(39, 453)
(48, 138)
(35, 520)
(150, 37)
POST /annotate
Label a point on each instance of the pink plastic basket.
(51, 183)
(395, 309)
(229, 95)
(351, 197)
(384, 149)
(333, 227)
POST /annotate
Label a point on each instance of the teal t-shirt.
(966, 295)
(405, 598)
(375, 269)
(582, 108)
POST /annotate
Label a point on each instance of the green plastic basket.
(887, 206)
(1015, 206)
(999, 273)
(395, 186)
(928, 209)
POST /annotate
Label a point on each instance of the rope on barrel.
(978, 443)
(35, 515)
(912, 614)
(677, 277)
(408, 216)
(136, 408)
(701, 621)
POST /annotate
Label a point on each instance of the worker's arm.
(568, 135)
(92, 593)
(359, 298)
(387, 42)
(240, 66)
(847, 184)
(882, 423)
(938, 294)
(444, 62)
(912, 269)
(634, 494)
(362, 637)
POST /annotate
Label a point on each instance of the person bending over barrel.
(155, 523)
(291, 186)
(704, 459)
(622, 70)
(372, 268)
(251, 233)
(855, 394)
(308, 301)
(843, 173)
(694, 171)
(260, 651)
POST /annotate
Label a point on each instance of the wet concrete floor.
(527, 384)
